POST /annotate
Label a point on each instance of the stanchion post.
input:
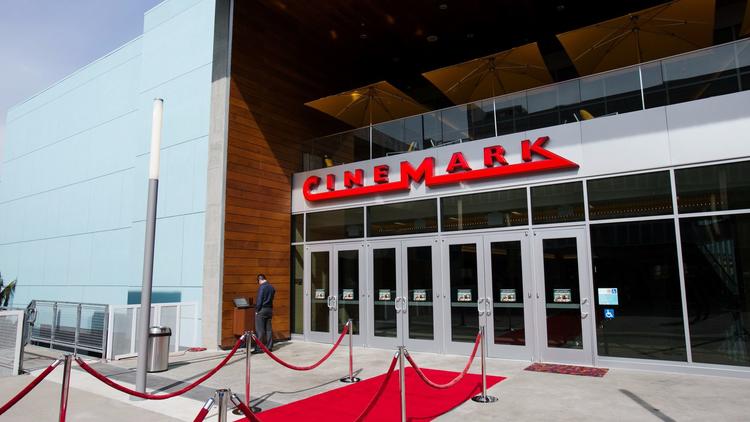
(402, 382)
(65, 387)
(248, 354)
(222, 398)
(351, 377)
(483, 398)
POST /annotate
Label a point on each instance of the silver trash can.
(158, 349)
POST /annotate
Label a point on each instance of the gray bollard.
(351, 378)
(65, 387)
(484, 398)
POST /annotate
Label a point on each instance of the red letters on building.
(425, 172)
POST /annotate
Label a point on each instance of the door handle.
(396, 301)
(584, 315)
(328, 302)
(488, 306)
(480, 309)
(334, 303)
(404, 305)
(584, 301)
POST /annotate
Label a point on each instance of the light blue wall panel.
(168, 252)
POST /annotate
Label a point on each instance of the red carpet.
(347, 403)
(568, 369)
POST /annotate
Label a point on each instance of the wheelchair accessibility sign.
(609, 313)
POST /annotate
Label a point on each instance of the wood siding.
(271, 80)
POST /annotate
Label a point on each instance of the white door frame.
(373, 299)
(407, 301)
(359, 338)
(310, 335)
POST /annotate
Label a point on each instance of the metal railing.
(11, 342)
(704, 73)
(70, 325)
(180, 317)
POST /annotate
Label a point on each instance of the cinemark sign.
(535, 158)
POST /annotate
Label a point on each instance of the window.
(630, 196)
(716, 256)
(338, 224)
(713, 188)
(403, 218)
(298, 253)
(484, 210)
(557, 203)
(640, 260)
(298, 228)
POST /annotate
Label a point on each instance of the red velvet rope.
(380, 391)
(302, 368)
(21, 394)
(201, 415)
(184, 390)
(452, 382)
(246, 411)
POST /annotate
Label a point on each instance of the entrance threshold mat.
(346, 403)
(586, 371)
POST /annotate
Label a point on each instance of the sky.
(42, 41)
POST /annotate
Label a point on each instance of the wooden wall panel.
(273, 75)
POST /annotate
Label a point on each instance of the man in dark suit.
(264, 313)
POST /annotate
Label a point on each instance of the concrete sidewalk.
(622, 395)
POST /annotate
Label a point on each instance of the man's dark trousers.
(263, 329)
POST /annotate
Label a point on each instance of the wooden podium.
(243, 320)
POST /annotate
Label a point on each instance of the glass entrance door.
(563, 296)
(488, 281)
(333, 291)
(403, 286)
(507, 298)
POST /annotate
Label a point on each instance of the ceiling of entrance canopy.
(650, 34)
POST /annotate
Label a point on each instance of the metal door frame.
(357, 339)
(371, 339)
(543, 353)
(525, 352)
(437, 291)
(317, 336)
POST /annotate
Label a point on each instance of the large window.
(557, 203)
(298, 228)
(640, 260)
(630, 196)
(338, 224)
(713, 188)
(716, 255)
(483, 210)
(402, 218)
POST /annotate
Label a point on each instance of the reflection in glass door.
(507, 300)
(333, 291)
(563, 296)
(462, 270)
(402, 294)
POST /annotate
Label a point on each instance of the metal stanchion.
(484, 398)
(402, 381)
(222, 398)
(351, 377)
(65, 388)
(248, 343)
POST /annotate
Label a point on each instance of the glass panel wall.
(718, 70)
(484, 210)
(557, 203)
(716, 256)
(298, 228)
(419, 292)
(507, 292)
(337, 224)
(384, 286)
(297, 299)
(402, 218)
(348, 294)
(320, 283)
(713, 188)
(630, 196)
(562, 294)
(463, 279)
(639, 259)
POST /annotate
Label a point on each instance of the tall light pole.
(144, 320)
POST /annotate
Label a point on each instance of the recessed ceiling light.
(470, 35)
(432, 38)
(443, 6)
(363, 36)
